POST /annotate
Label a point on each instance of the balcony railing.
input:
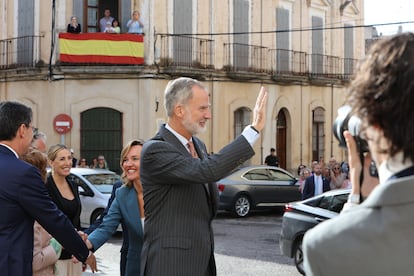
(244, 57)
(23, 51)
(187, 52)
(184, 51)
(287, 62)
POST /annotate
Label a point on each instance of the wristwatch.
(254, 129)
(354, 198)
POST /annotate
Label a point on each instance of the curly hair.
(382, 91)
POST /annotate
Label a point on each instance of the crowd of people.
(331, 176)
(109, 24)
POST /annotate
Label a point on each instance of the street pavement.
(243, 247)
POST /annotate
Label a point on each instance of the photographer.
(375, 237)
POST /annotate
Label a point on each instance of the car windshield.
(332, 203)
(103, 182)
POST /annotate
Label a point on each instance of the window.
(317, 45)
(282, 40)
(318, 133)
(241, 120)
(183, 44)
(241, 41)
(348, 49)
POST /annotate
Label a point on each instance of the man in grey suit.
(376, 236)
(180, 195)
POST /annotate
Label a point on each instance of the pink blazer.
(44, 256)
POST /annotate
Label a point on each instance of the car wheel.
(298, 257)
(241, 206)
(96, 214)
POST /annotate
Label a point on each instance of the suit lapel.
(210, 188)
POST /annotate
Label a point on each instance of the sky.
(381, 11)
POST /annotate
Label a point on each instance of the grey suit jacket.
(375, 238)
(180, 205)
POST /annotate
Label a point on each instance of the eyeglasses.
(336, 168)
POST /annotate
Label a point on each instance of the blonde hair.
(38, 159)
(53, 151)
(124, 152)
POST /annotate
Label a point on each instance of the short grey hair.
(179, 91)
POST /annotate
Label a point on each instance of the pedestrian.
(315, 184)
(178, 177)
(46, 250)
(374, 237)
(272, 159)
(39, 140)
(24, 198)
(66, 197)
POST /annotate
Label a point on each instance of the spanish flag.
(101, 48)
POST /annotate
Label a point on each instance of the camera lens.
(345, 121)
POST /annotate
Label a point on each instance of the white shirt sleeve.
(250, 134)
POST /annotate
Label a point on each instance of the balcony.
(20, 52)
(173, 54)
(244, 57)
(184, 51)
(287, 62)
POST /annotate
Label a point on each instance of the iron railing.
(287, 62)
(184, 51)
(23, 51)
(193, 52)
(244, 57)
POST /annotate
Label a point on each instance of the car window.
(279, 175)
(79, 182)
(103, 182)
(257, 174)
(333, 203)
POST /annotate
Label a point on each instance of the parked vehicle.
(255, 187)
(301, 216)
(95, 187)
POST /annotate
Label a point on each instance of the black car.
(301, 216)
(255, 187)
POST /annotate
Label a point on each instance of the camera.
(347, 121)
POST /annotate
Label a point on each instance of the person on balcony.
(113, 28)
(104, 20)
(74, 27)
(134, 25)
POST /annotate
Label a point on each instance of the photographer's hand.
(354, 163)
(355, 168)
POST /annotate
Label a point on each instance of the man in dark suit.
(180, 195)
(24, 198)
(315, 184)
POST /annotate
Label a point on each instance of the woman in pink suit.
(46, 250)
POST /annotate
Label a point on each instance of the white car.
(95, 187)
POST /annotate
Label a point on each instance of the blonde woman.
(66, 197)
(127, 207)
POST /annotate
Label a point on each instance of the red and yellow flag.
(101, 48)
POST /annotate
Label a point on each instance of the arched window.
(241, 120)
(318, 133)
(101, 134)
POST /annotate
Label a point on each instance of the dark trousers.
(123, 262)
